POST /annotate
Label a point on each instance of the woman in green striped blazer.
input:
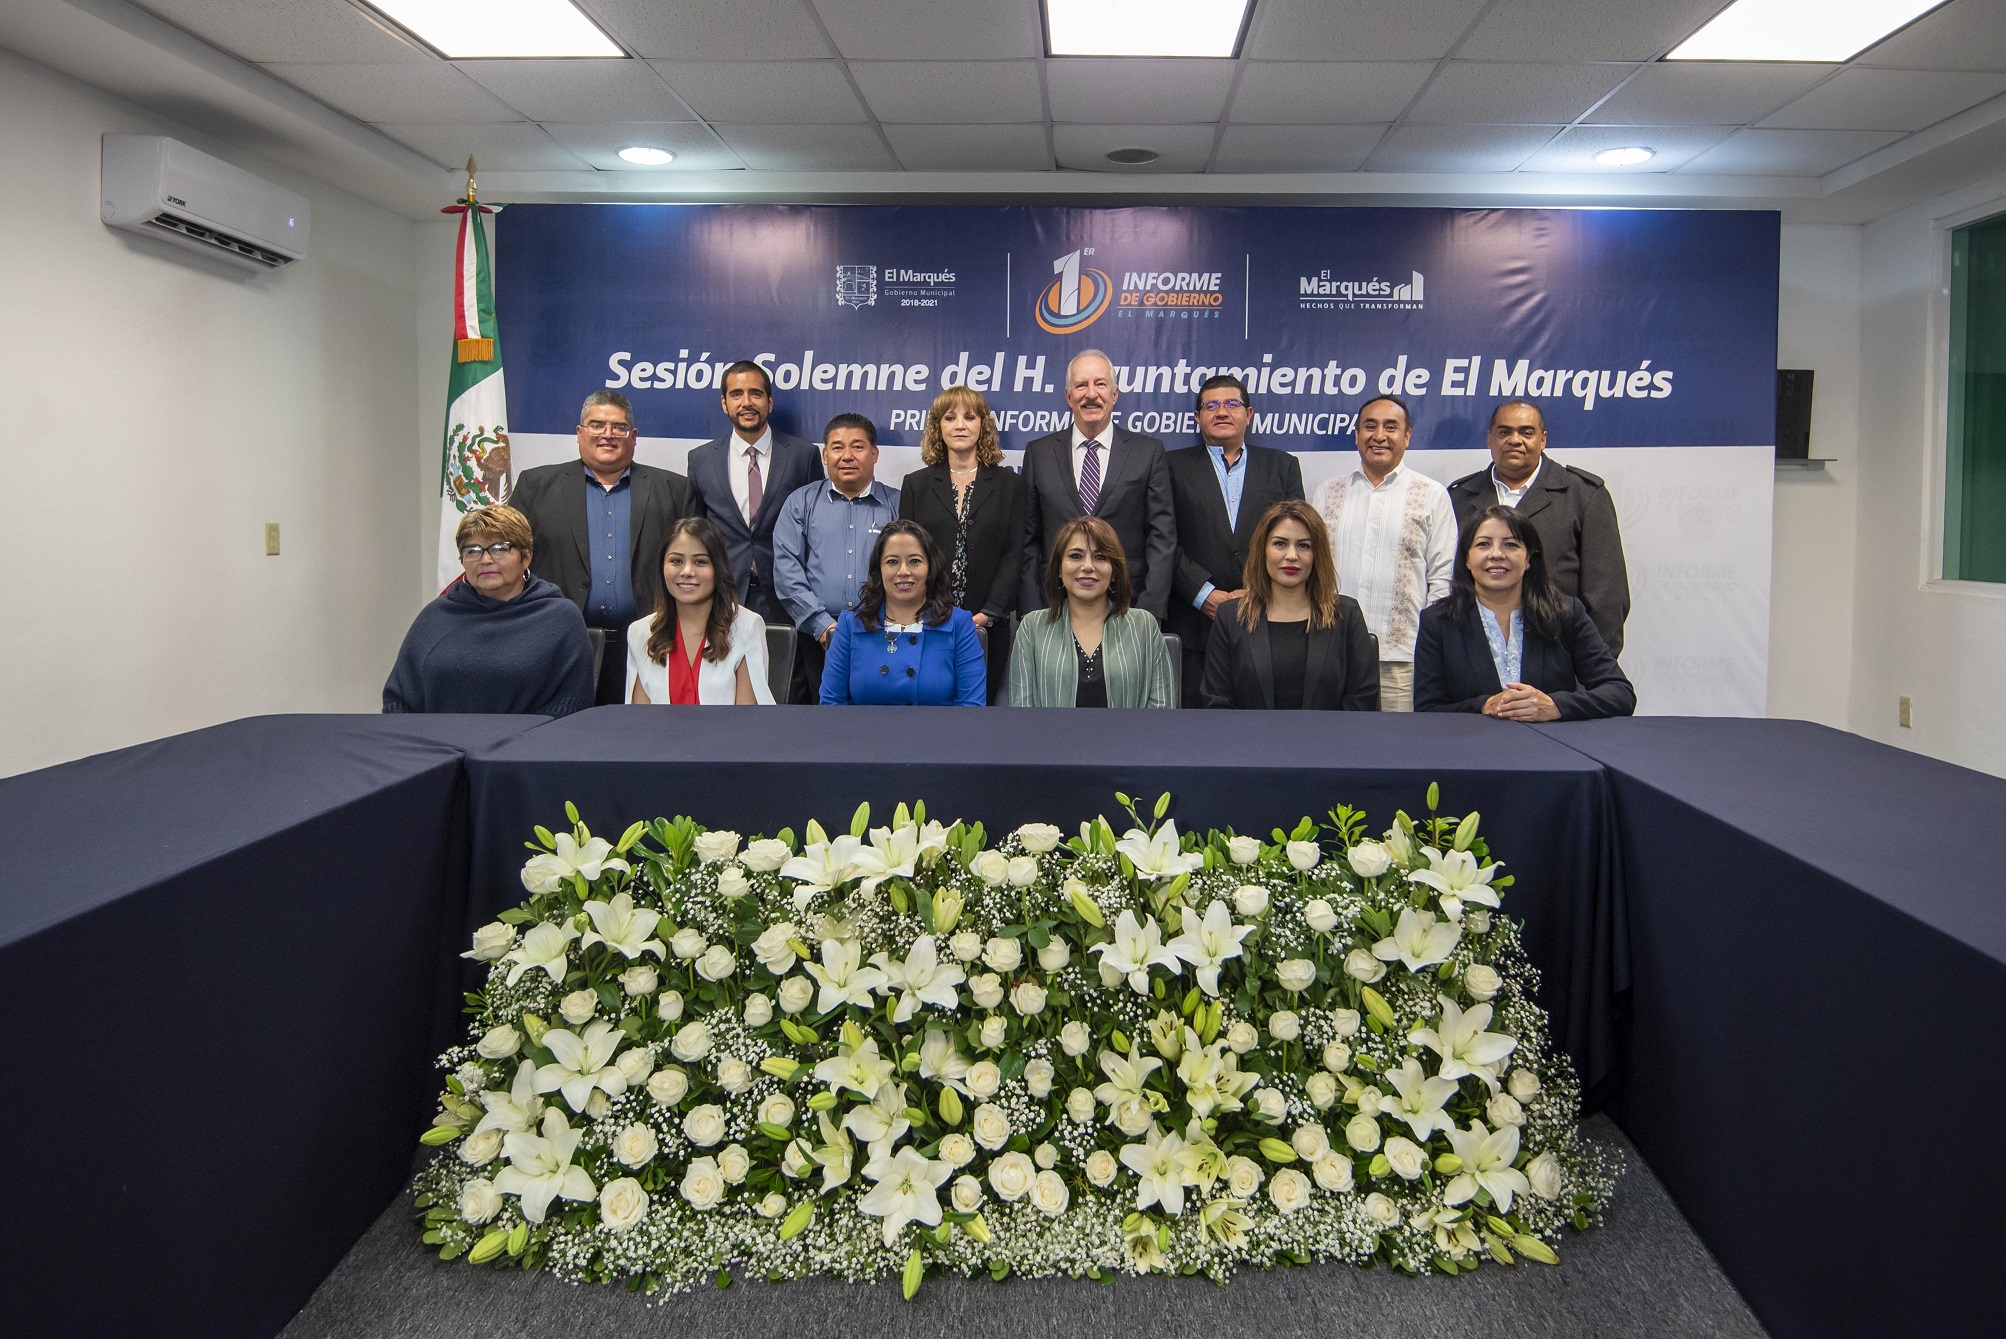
(1087, 647)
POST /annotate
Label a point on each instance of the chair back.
(1175, 646)
(780, 660)
(597, 636)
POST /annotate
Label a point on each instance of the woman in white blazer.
(702, 648)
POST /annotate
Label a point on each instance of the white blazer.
(717, 681)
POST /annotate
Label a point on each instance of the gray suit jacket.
(1575, 518)
(794, 463)
(553, 498)
(1134, 499)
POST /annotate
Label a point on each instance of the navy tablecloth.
(1546, 809)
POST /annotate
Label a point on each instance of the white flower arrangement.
(903, 1049)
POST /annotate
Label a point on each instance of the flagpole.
(475, 470)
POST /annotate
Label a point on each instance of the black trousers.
(809, 657)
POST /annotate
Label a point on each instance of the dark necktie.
(1090, 477)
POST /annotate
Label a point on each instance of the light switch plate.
(271, 539)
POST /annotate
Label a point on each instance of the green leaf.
(723, 1279)
(515, 916)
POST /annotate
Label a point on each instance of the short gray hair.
(1088, 353)
(613, 398)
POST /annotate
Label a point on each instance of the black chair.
(780, 660)
(1175, 646)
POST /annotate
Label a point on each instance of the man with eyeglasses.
(599, 526)
(1219, 490)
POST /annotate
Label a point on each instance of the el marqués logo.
(1076, 298)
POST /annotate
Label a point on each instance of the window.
(1974, 546)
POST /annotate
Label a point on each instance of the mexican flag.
(474, 465)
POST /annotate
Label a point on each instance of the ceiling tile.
(1707, 92)
(951, 91)
(515, 147)
(1414, 148)
(1465, 92)
(1584, 29)
(1574, 150)
(765, 92)
(1295, 148)
(578, 90)
(1305, 92)
(696, 148)
(714, 29)
(1358, 29)
(1887, 100)
(405, 94)
(1182, 148)
(1133, 92)
(1963, 35)
(808, 148)
(933, 29)
(942, 148)
(290, 30)
(1788, 153)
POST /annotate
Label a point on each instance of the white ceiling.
(957, 96)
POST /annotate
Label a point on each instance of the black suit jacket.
(1134, 499)
(1575, 518)
(1208, 548)
(794, 463)
(1453, 670)
(1342, 673)
(995, 530)
(553, 498)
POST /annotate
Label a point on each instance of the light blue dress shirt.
(1232, 483)
(609, 531)
(1508, 654)
(822, 544)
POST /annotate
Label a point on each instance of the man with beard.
(742, 478)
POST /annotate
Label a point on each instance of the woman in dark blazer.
(973, 506)
(1291, 642)
(1505, 643)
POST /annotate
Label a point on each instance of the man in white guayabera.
(1394, 535)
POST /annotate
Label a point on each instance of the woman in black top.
(1291, 641)
(973, 506)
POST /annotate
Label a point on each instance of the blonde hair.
(933, 447)
(495, 525)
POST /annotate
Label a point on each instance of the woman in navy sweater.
(905, 644)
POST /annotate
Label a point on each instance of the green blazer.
(1045, 670)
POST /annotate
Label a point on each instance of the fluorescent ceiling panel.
(1827, 30)
(500, 29)
(1144, 27)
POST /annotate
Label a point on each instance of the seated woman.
(1291, 641)
(702, 647)
(1087, 648)
(498, 639)
(905, 644)
(1506, 643)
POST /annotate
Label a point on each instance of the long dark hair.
(723, 594)
(939, 599)
(1260, 588)
(1537, 597)
(1100, 538)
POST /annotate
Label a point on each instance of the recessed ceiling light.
(1629, 156)
(500, 29)
(1145, 27)
(645, 156)
(1132, 157)
(1821, 30)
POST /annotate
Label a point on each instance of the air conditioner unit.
(158, 187)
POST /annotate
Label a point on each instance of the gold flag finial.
(470, 179)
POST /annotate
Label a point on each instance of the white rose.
(773, 948)
(490, 942)
(1242, 1037)
(1369, 860)
(1478, 921)
(1345, 1022)
(1269, 1105)
(983, 1078)
(1023, 871)
(758, 1010)
(704, 1125)
(688, 943)
(1310, 1142)
(669, 1005)
(1523, 1084)
(691, 1042)
(1285, 1025)
(634, 1145)
(766, 856)
(1407, 1158)
(1003, 955)
(957, 1150)
(1482, 982)
(1056, 953)
(797, 1159)
(1080, 1105)
(716, 963)
(1319, 916)
(1250, 899)
(635, 1065)
(1028, 998)
(1381, 1212)
(598, 1106)
(712, 847)
(733, 1075)
(703, 1184)
(992, 867)
(990, 1127)
(777, 1109)
(1336, 1057)
(1332, 1172)
(733, 1163)
(1322, 1090)
(1362, 966)
(986, 990)
(1369, 1099)
(1304, 856)
(479, 1201)
(795, 993)
(578, 1007)
(669, 1086)
(1243, 1177)
(1046, 1156)
(731, 882)
(1362, 1133)
(965, 1194)
(994, 1029)
(1011, 1175)
(1038, 838)
(1074, 1039)
(1243, 850)
(480, 1149)
(773, 1205)
(1542, 1174)
(1133, 1119)
(1289, 1188)
(966, 946)
(1504, 1110)
(1049, 1195)
(639, 980)
(1038, 1076)
(1101, 1167)
(499, 1042)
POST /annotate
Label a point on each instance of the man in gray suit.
(1570, 509)
(599, 524)
(1097, 469)
(742, 478)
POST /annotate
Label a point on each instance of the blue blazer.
(794, 463)
(940, 667)
(1453, 670)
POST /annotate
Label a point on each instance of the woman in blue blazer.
(905, 644)
(1505, 643)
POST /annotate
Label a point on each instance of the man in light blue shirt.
(822, 543)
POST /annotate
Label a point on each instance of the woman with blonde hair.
(1088, 647)
(1291, 641)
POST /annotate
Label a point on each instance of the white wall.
(156, 410)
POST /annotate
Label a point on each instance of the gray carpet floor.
(1643, 1274)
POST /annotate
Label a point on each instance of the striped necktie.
(1090, 477)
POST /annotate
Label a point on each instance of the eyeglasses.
(615, 429)
(1211, 405)
(471, 553)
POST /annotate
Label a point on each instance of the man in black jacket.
(598, 526)
(1219, 490)
(742, 478)
(1570, 508)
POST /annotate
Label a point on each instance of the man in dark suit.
(599, 525)
(1097, 469)
(742, 478)
(1570, 508)
(1219, 490)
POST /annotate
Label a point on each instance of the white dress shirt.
(741, 478)
(1511, 497)
(1395, 545)
(1106, 439)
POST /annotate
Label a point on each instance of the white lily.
(842, 978)
(881, 1121)
(1463, 1044)
(836, 1157)
(942, 1061)
(1487, 1162)
(1137, 947)
(516, 1111)
(932, 841)
(1208, 944)
(1213, 1081)
(1161, 1165)
(1454, 875)
(1418, 940)
(1124, 1092)
(582, 1064)
(1158, 857)
(1420, 1098)
(905, 1192)
(922, 977)
(616, 924)
(896, 851)
(860, 1069)
(548, 872)
(540, 1167)
(547, 946)
(823, 866)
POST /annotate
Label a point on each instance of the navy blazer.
(1341, 674)
(794, 463)
(939, 666)
(1453, 670)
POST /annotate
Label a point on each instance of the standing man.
(1569, 508)
(598, 527)
(822, 543)
(1097, 469)
(741, 478)
(1394, 533)
(1219, 493)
